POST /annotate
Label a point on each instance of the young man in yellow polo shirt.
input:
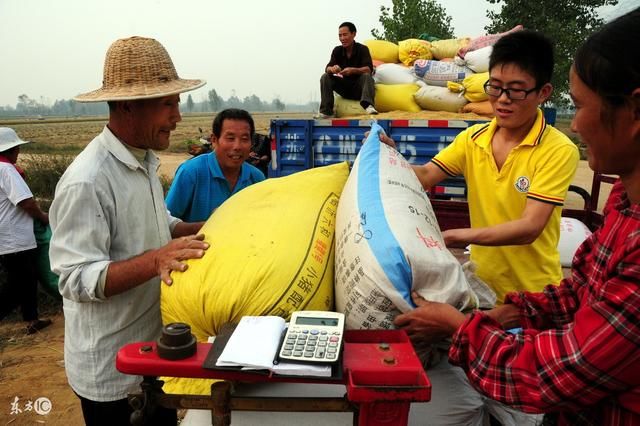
(518, 170)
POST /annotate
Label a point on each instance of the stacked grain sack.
(388, 244)
(475, 56)
(441, 75)
(395, 82)
(272, 253)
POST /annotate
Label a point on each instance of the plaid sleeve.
(569, 367)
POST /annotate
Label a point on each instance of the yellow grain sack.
(347, 107)
(483, 108)
(411, 49)
(396, 97)
(472, 87)
(382, 50)
(272, 252)
(448, 48)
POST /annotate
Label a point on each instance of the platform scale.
(380, 371)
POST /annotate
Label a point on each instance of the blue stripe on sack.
(383, 244)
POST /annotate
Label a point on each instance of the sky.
(54, 49)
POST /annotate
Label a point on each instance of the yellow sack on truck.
(382, 50)
(347, 107)
(271, 253)
(411, 49)
(396, 97)
(448, 48)
(472, 87)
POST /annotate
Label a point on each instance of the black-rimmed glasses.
(513, 94)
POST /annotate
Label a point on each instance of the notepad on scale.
(254, 345)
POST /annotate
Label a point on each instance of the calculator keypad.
(309, 344)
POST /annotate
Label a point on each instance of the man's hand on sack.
(171, 256)
(384, 139)
(430, 322)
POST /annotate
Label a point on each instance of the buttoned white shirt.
(16, 226)
(107, 207)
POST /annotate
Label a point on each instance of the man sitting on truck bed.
(517, 169)
(348, 73)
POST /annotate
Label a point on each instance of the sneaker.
(323, 116)
(371, 110)
(38, 325)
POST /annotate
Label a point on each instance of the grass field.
(70, 135)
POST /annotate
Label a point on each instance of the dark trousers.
(21, 287)
(116, 413)
(360, 88)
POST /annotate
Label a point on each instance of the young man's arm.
(428, 174)
(521, 231)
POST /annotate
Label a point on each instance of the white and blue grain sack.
(388, 243)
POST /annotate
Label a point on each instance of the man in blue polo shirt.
(203, 183)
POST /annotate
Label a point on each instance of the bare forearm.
(516, 232)
(30, 206)
(507, 315)
(124, 275)
(186, 228)
(523, 230)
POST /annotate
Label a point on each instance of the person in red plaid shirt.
(578, 356)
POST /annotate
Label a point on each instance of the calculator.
(313, 336)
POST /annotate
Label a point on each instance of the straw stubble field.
(32, 367)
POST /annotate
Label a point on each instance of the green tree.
(190, 103)
(215, 100)
(566, 22)
(411, 18)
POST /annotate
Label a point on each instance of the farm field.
(32, 366)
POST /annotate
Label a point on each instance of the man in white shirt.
(18, 210)
(113, 238)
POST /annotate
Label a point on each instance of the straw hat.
(138, 68)
(9, 139)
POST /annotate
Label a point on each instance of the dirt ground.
(32, 367)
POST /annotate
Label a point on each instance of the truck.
(300, 144)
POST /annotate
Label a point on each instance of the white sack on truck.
(477, 60)
(271, 254)
(394, 74)
(435, 98)
(437, 73)
(388, 243)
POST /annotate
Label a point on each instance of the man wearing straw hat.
(113, 239)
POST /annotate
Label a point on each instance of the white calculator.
(313, 336)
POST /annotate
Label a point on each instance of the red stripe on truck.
(437, 123)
